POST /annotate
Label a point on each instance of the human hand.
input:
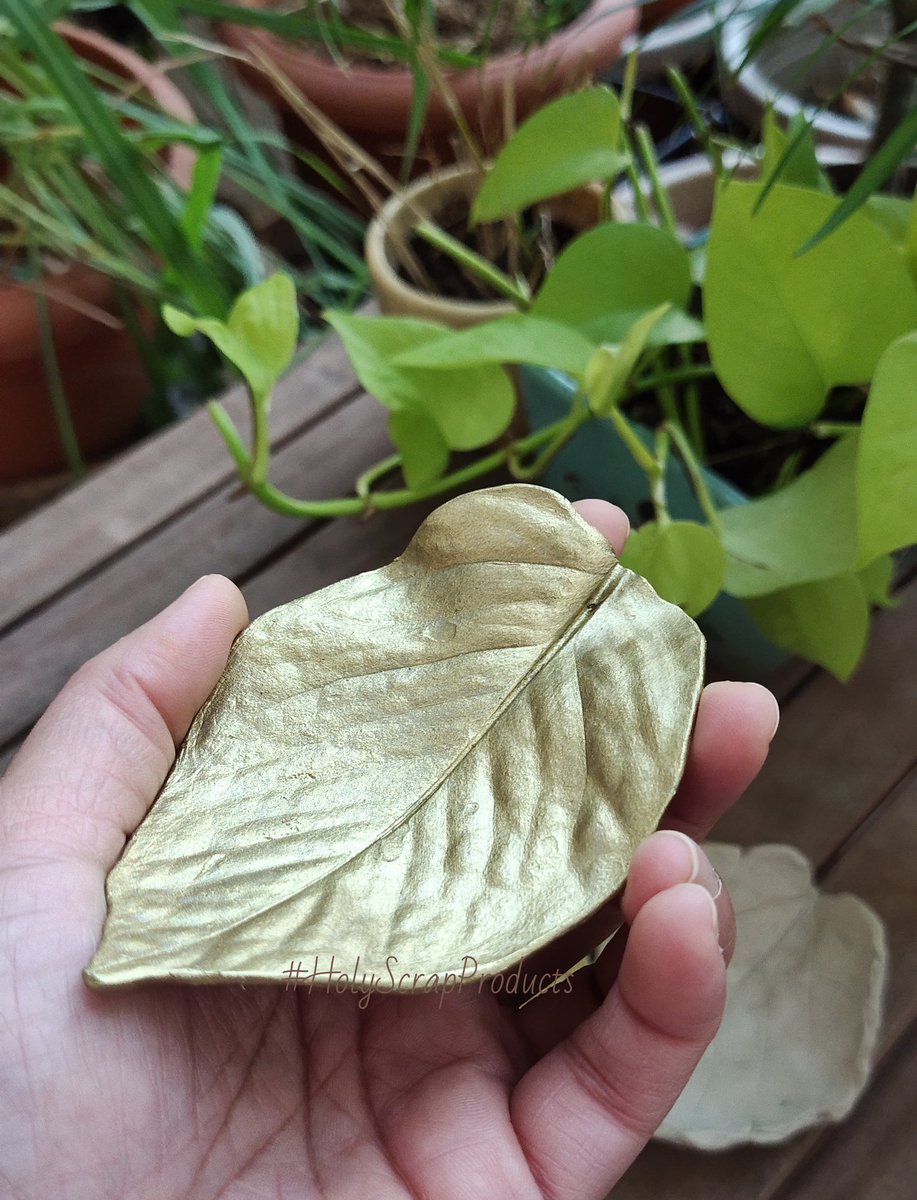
(172, 1092)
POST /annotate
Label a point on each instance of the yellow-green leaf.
(804, 532)
(610, 367)
(471, 405)
(575, 139)
(785, 328)
(886, 471)
(454, 756)
(826, 621)
(684, 561)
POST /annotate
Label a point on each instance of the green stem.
(260, 406)
(475, 263)
(668, 402)
(628, 86)
(351, 506)
(605, 213)
(638, 451)
(833, 429)
(658, 478)
(641, 204)
(660, 195)
(701, 129)
(230, 436)
(695, 474)
(691, 371)
(695, 424)
(375, 473)
(59, 405)
(789, 469)
(565, 430)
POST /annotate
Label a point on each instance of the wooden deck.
(841, 783)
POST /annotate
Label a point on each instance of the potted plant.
(391, 81)
(67, 308)
(756, 350)
(110, 205)
(443, 198)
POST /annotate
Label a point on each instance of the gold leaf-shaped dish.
(450, 758)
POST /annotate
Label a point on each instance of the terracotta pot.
(372, 104)
(426, 198)
(658, 12)
(103, 376)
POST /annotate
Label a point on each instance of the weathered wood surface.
(841, 783)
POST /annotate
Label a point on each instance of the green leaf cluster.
(788, 326)
(805, 330)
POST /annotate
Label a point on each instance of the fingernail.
(714, 915)
(688, 850)
(698, 866)
(773, 700)
(776, 716)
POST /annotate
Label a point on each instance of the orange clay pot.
(372, 104)
(657, 12)
(104, 379)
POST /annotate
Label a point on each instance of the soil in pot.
(746, 454)
(542, 239)
(470, 26)
(445, 198)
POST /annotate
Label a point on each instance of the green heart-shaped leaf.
(684, 561)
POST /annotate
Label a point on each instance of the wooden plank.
(161, 477)
(877, 865)
(873, 1156)
(668, 1171)
(228, 533)
(340, 549)
(6, 755)
(336, 550)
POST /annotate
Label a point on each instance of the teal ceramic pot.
(595, 463)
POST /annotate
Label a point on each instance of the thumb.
(88, 772)
(585, 1111)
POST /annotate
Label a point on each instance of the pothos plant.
(799, 313)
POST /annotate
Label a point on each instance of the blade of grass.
(893, 151)
(793, 143)
(203, 192)
(126, 168)
(59, 405)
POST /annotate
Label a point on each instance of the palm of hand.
(199, 1092)
(206, 1093)
(167, 1093)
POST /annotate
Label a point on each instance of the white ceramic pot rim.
(735, 34)
(379, 260)
(688, 175)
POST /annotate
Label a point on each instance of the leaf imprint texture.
(454, 756)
